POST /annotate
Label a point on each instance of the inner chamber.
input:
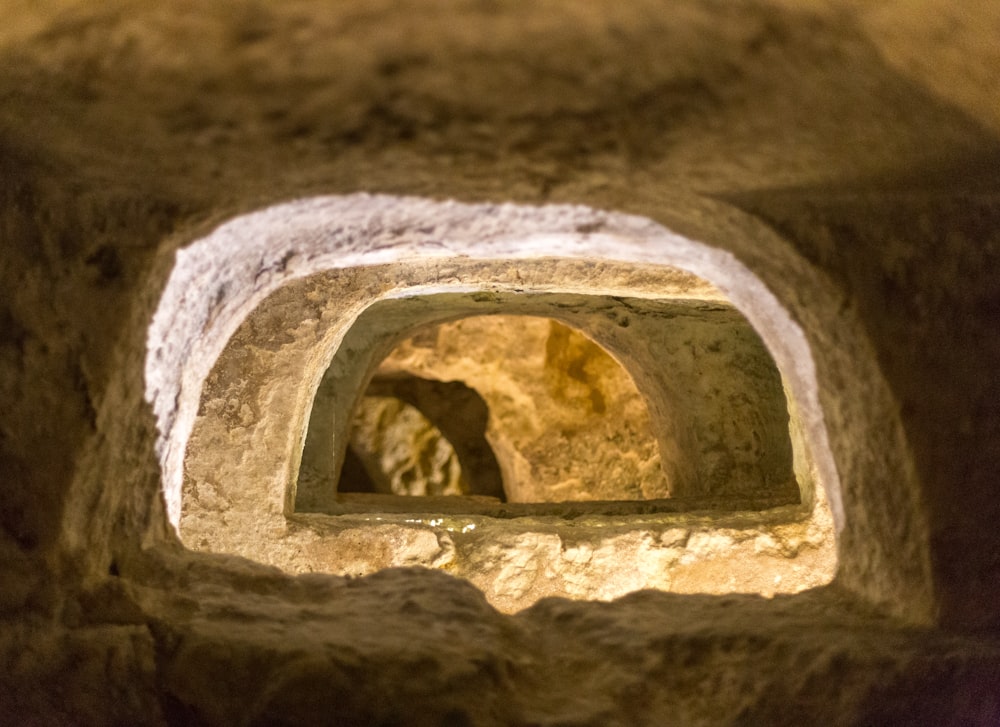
(528, 409)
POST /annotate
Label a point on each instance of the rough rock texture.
(517, 561)
(403, 452)
(460, 417)
(844, 152)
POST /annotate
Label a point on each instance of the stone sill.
(357, 503)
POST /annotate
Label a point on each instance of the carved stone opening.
(565, 418)
(311, 297)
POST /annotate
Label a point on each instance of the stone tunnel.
(472, 363)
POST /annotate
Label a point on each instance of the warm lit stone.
(403, 452)
(710, 392)
(566, 421)
(184, 255)
(696, 411)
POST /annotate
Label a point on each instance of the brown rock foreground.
(179, 649)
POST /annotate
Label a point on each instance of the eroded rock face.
(403, 452)
(708, 376)
(454, 414)
(517, 561)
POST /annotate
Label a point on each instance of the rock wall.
(710, 402)
(403, 452)
(843, 154)
(709, 377)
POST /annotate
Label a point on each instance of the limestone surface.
(566, 421)
(192, 190)
(396, 441)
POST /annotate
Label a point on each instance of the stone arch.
(269, 259)
(653, 340)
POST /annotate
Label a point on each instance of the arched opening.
(700, 414)
(249, 496)
(565, 418)
(652, 433)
